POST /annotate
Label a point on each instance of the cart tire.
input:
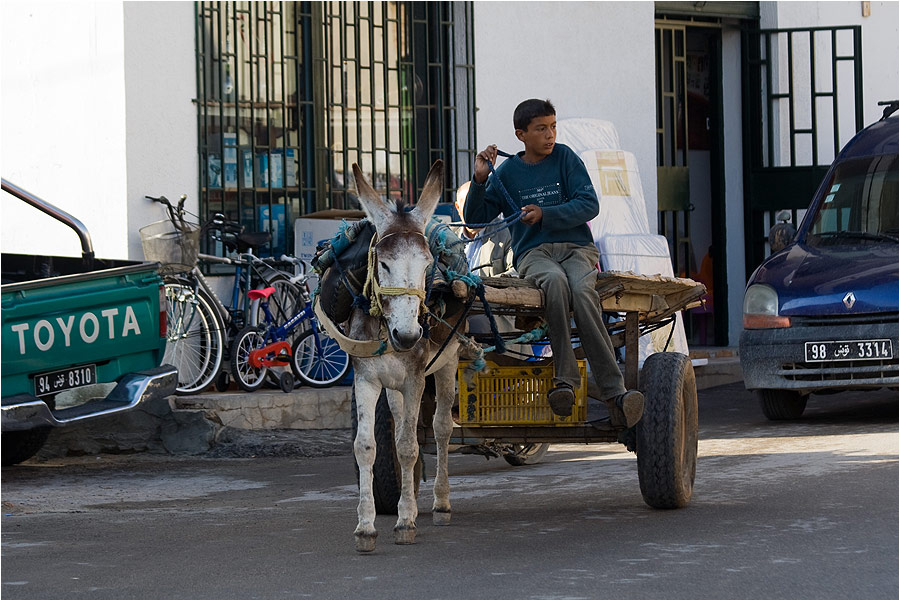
(667, 433)
(527, 454)
(386, 482)
(779, 405)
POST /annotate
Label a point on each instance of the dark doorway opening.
(690, 169)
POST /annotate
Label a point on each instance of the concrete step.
(329, 408)
(238, 423)
(716, 365)
(301, 409)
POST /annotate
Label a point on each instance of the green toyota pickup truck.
(69, 323)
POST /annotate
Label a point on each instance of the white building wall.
(732, 134)
(63, 124)
(880, 35)
(879, 63)
(160, 85)
(591, 59)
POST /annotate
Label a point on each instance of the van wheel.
(779, 405)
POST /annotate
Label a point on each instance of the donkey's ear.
(431, 192)
(376, 209)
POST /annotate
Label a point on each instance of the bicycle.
(199, 324)
(315, 358)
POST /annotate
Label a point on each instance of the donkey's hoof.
(440, 518)
(365, 541)
(404, 535)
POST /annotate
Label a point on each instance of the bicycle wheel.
(193, 337)
(319, 365)
(248, 377)
(284, 303)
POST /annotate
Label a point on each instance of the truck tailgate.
(108, 318)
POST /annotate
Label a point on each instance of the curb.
(307, 422)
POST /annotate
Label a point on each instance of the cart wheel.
(527, 454)
(667, 433)
(386, 482)
(286, 381)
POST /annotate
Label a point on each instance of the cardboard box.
(247, 168)
(230, 155)
(290, 167)
(276, 169)
(286, 162)
(276, 245)
(262, 169)
(214, 171)
(315, 228)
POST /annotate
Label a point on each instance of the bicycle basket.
(174, 249)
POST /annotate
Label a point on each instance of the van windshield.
(860, 206)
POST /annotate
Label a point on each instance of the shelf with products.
(250, 168)
(252, 190)
(264, 209)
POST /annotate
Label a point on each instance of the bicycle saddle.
(261, 294)
(244, 242)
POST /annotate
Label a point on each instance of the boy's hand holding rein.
(483, 162)
(532, 214)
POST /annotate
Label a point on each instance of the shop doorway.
(689, 168)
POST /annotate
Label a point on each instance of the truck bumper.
(24, 411)
(776, 359)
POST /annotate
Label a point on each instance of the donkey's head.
(402, 255)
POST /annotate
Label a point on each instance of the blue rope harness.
(472, 279)
(504, 223)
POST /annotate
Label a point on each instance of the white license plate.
(848, 350)
(64, 379)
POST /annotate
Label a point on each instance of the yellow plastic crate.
(515, 396)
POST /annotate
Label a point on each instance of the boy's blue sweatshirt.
(559, 184)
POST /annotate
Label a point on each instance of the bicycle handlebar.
(176, 213)
(227, 227)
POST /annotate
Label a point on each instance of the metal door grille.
(290, 94)
(787, 147)
(673, 183)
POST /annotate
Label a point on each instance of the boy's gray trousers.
(567, 274)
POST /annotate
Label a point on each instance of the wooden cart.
(665, 439)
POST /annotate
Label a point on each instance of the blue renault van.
(821, 314)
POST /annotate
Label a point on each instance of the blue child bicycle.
(315, 358)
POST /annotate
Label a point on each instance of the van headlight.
(761, 309)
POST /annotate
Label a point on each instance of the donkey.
(398, 268)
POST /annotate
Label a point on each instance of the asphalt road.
(807, 509)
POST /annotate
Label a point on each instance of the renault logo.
(849, 300)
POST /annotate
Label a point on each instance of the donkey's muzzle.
(405, 341)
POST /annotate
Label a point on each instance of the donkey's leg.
(444, 379)
(364, 449)
(406, 414)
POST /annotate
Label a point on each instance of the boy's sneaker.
(631, 404)
(561, 398)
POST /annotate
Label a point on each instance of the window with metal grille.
(291, 94)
